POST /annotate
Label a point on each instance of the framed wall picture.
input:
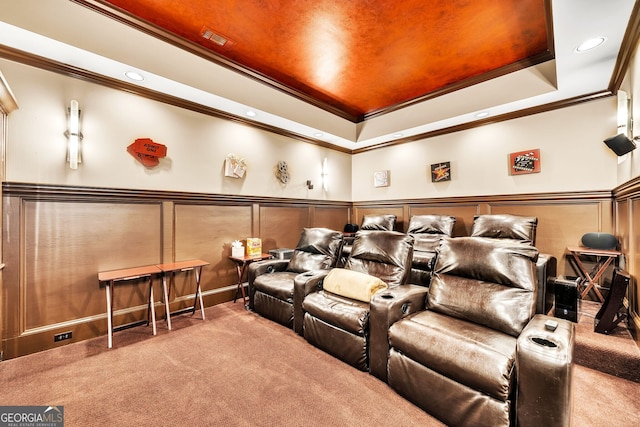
(381, 179)
(524, 162)
(441, 172)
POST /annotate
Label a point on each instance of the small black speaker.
(566, 304)
(599, 241)
(351, 228)
(620, 144)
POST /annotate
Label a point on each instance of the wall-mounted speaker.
(600, 241)
(620, 144)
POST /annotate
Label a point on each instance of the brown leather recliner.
(271, 282)
(473, 353)
(378, 222)
(339, 324)
(506, 226)
(427, 230)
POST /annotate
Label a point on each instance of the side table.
(241, 267)
(110, 277)
(169, 270)
(604, 257)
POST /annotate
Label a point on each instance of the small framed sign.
(381, 179)
(524, 162)
(441, 172)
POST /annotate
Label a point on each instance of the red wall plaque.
(524, 162)
(147, 152)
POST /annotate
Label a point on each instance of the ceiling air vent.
(209, 34)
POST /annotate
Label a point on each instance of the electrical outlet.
(62, 336)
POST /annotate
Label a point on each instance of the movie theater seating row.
(468, 348)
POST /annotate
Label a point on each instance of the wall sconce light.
(309, 184)
(74, 136)
(325, 175)
(623, 142)
(625, 123)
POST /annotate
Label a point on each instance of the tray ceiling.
(358, 58)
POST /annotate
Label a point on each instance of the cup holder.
(387, 295)
(543, 342)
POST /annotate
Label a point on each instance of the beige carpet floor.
(238, 369)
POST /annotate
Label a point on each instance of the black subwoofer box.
(567, 301)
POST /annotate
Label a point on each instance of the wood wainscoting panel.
(280, 226)
(633, 265)
(561, 224)
(206, 232)
(56, 250)
(464, 214)
(623, 223)
(67, 243)
(627, 219)
(330, 217)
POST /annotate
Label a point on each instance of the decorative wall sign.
(147, 152)
(381, 179)
(234, 167)
(524, 162)
(441, 172)
(282, 172)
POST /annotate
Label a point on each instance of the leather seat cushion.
(420, 277)
(426, 242)
(505, 226)
(317, 249)
(432, 224)
(304, 261)
(378, 222)
(345, 313)
(278, 285)
(423, 260)
(471, 354)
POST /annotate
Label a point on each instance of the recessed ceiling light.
(318, 134)
(133, 75)
(591, 44)
(251, 113)
(482, 114)
(398, 135)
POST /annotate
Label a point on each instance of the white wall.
(629, 166)
(196, 144)
(573, 157)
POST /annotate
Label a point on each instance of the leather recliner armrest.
(544, 364)
(303, 285)
(546, 267)
(386, 308)
(263, 267)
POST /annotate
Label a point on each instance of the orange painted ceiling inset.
(359, 56)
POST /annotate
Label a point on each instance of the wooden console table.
(169, 270)
(604, 257)
(110, 277)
